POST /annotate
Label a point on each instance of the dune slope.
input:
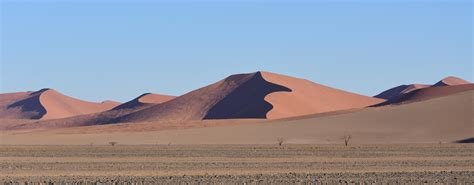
(307, 97)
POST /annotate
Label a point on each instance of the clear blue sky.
(97, 50)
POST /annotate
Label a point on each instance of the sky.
(116, 50)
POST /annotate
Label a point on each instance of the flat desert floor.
(250, 164)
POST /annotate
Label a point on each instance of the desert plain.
(242, 164)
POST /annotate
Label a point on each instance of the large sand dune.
(307, 97)
(256, 95)
(443, 119)
(47, 104)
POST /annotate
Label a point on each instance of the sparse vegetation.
(113, 143)
(347, 138)
(280, 141)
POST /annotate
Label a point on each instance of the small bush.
(280, 141)
(347, 138)
(113, 143)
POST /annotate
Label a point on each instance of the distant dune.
(400, 90)
(144, 100)
(427, 93)
(47, 104)
(450, 81)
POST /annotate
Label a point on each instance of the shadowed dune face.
(307, 97)
(145, 100)
(450, 81)
(468, 140)
(10, 106)
(400, 90)
(253, 96)
(50, 104)
(428, 93)
(191, 106)
(247, 101)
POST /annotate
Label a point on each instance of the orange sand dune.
(49, 104)
(255, 95)
(307, 97)
(428, 93)
(450, 81)
(146, 99)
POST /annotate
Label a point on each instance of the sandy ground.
(425, 163)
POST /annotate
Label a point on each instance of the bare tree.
(347, 138)
(280, 141)
(112, 143)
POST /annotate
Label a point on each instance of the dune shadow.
(247, 101)
(468, 140)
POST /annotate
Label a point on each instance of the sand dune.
(444, 119)
(255, 95)
(307, 97)
(48, 104)
(7, 112)
(427, 93)
(144, 100)
(400, 90)
(260, 95)
(450, 81)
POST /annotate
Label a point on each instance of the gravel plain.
(238, 164)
